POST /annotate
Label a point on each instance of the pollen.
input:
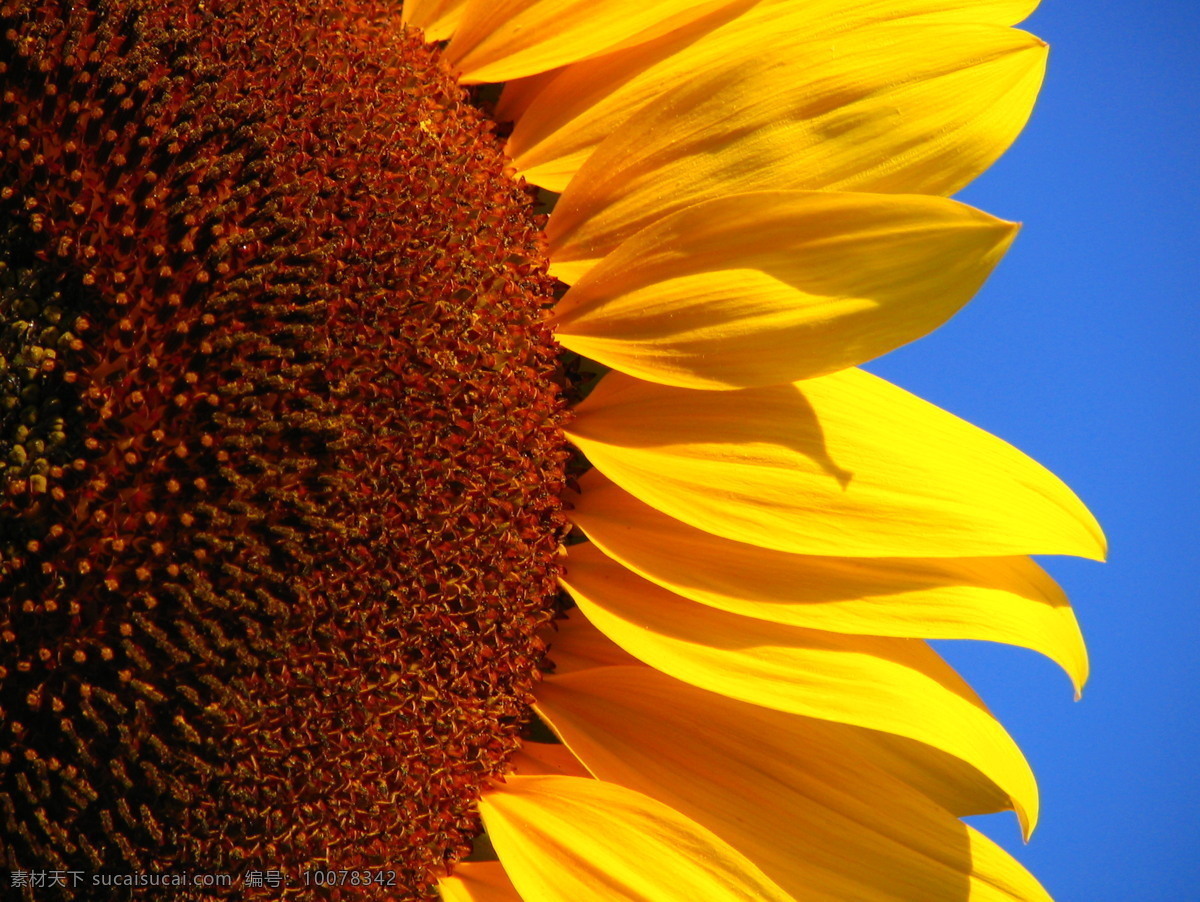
(280, 445)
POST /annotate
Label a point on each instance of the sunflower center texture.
(280, 454)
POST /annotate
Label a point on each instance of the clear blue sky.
(1082, 350)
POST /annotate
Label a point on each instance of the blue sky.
(1082, 350)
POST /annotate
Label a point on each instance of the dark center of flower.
(280, 456)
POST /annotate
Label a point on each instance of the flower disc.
(279, 438)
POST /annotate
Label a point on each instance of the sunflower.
(359, 521)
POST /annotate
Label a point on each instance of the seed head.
(280, 448)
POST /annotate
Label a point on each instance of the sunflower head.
(279, 440)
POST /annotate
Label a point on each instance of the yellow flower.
(287, 484)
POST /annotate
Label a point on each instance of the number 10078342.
(349, 877)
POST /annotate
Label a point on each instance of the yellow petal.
(845, 464)
(998, 599)
(583, 840)
(574, 644)
(951, 782)
(535, 758)
(437, 18)
(805, 800)
(770, 287)
(519, 93)
(896, 686)
(478, 881)
(593, 98)
(498, 40)
(892, 108)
